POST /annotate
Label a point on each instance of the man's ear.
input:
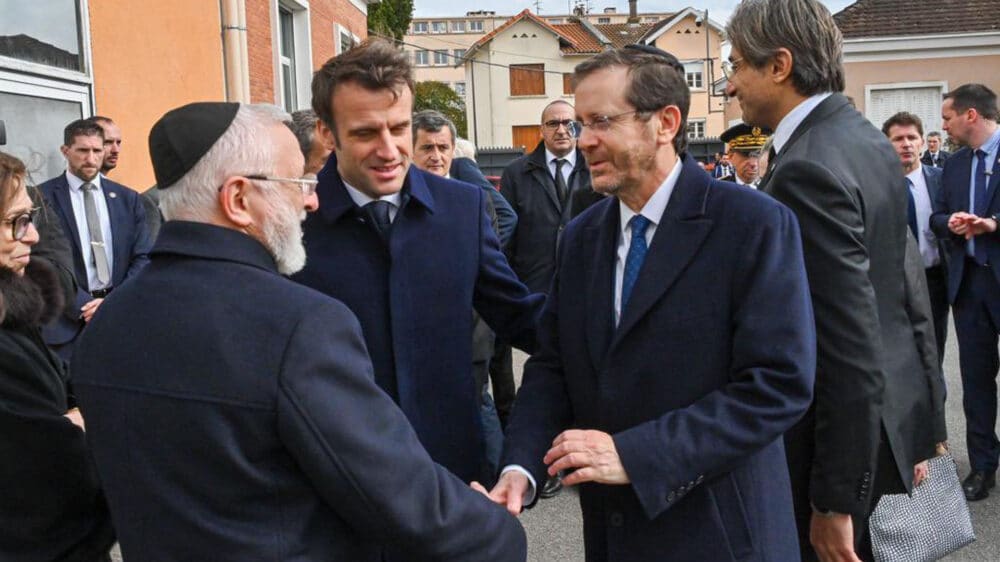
(325, 135)
(233, 203)
(668, 125)
(780, 65)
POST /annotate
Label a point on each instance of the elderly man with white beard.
(232, 413)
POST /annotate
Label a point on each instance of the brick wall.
(326, 13)
(260, 51)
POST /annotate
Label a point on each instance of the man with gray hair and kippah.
(233, 414)
(842, 179)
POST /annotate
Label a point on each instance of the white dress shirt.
(360, 199)
(652, 210)
(992, 149)
(922, 204)
(80, 216)
(567, 168)
(794, 118)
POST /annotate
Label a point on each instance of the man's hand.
(593, 455)
(509, 491)
(979, 225)
(920, 473)
(479, 488)
(87, 311)
(832, 535)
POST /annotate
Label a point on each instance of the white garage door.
(924, 102)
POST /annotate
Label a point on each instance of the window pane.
(34, 131)
(420, 27)
(288, 86)
(439, 27)
(460, 88)
(287, 33)
(420, 58)
(459, 55)
(458, 26)
(41, 31)
(476, 25)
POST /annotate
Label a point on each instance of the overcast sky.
(718, 10)
(51, 21)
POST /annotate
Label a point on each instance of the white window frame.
(443, 55)
(339, 33)
(424, 24)
(694, 123)
(303, 52)
(435, 24)
(690, 72)
(427, 57)
(457, 86)
(476, 26)
(458, 26)
(869, 88)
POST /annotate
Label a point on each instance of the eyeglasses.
(307, 183)
(602, 123)
(730, 68)
(21, 222)
(553, 125)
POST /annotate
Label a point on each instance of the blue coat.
(415, 297)
(233, 417)
(130, 242)
(465, 169)
(954, 197)
(712, 362)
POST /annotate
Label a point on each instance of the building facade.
(132, 61)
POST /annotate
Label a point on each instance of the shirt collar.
(76, 184)
(917, 175)
(570, 157)
(990, 146)
(791, 121)
(657, 204)
(360, 199)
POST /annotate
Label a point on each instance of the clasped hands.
(969, 225)
(592, 455)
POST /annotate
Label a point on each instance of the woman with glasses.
(51, 507)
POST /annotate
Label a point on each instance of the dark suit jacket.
(415, 299)
(233, 417)
(696, 384)
(851, 206)
(955, 197)
(933, 176)
(528, 185)
(943, 156)
(465, 169)
(130, 241)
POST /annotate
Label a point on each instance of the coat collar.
(537, 159)
(334, 201)
(207, 241)
(676, 242)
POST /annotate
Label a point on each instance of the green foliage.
(438, 96)
(390, 18)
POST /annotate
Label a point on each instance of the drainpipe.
(236, 66)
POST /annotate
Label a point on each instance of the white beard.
(283, 237)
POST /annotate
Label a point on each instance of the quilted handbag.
(929, 525)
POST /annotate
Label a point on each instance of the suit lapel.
(680, 234)
(602, 237)
(959, 198)
(120, 235)
(542, 177)
(60, 194)
(991, 185)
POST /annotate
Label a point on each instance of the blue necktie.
(911, 209)
(378, 214)
(979, 185)
(636, 255)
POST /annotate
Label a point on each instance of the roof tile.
(894, 18)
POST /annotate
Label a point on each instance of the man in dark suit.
(935, 156)
(662, 344)
(842, 179)
(232, 413)
(906, 133)
(539, 187)
(410, 253)
(967, 217)
(105, 223)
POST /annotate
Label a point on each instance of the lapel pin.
(112, 195)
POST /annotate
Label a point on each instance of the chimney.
(633, 15)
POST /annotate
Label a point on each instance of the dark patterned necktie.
(636, 255)
(378, 215)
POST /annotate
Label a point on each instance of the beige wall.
(147, 60)
(687, 42)
(495, 111)
(954, 71)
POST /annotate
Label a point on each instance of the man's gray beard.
(283, 237)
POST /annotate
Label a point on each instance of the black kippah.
(183, 135)
(656, 51)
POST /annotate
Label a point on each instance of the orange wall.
(150, 57)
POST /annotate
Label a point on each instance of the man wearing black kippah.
(232, 413)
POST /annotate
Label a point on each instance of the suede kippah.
(183, 135)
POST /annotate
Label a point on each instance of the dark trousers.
(502, 377)
(977, 323)
(937, 288)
